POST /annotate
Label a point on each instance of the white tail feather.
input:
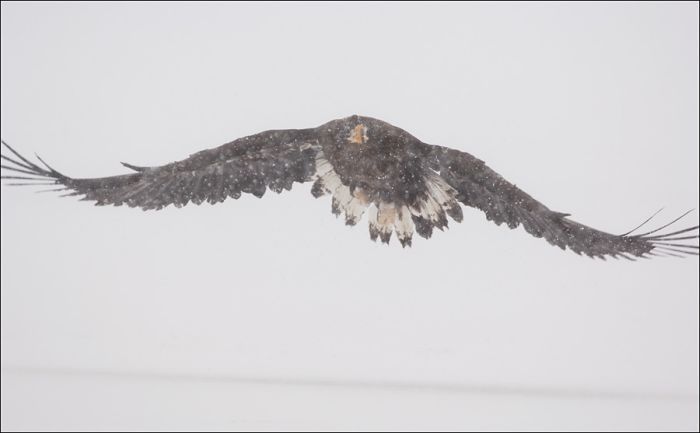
(404, 226)
(385, 220)
(386, 217)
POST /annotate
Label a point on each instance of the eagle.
(367, 166)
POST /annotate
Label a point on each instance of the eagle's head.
(361, 131)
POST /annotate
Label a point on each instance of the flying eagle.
(367, 166)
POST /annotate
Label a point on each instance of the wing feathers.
(480, 187)
(272, 159)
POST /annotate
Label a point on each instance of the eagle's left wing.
(271, 159)
(478, 186)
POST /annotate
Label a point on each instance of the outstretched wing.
(271, 159)
(480, 187)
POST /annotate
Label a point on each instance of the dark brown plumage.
(366, 164)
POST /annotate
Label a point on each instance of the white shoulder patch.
(352, 204)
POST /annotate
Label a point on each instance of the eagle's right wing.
(271, 159)
(480, 187)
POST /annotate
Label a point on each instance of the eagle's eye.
(358, 135)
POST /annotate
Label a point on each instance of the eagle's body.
(369, 167)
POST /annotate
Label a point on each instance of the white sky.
(590, 108)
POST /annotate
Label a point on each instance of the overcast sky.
(590, 108)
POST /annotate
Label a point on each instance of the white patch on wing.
(428, 209)
(352, 204)
(322, 164)
(331, 182)
(440, 191)
(441, 198)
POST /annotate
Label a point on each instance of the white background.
(268, 314)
